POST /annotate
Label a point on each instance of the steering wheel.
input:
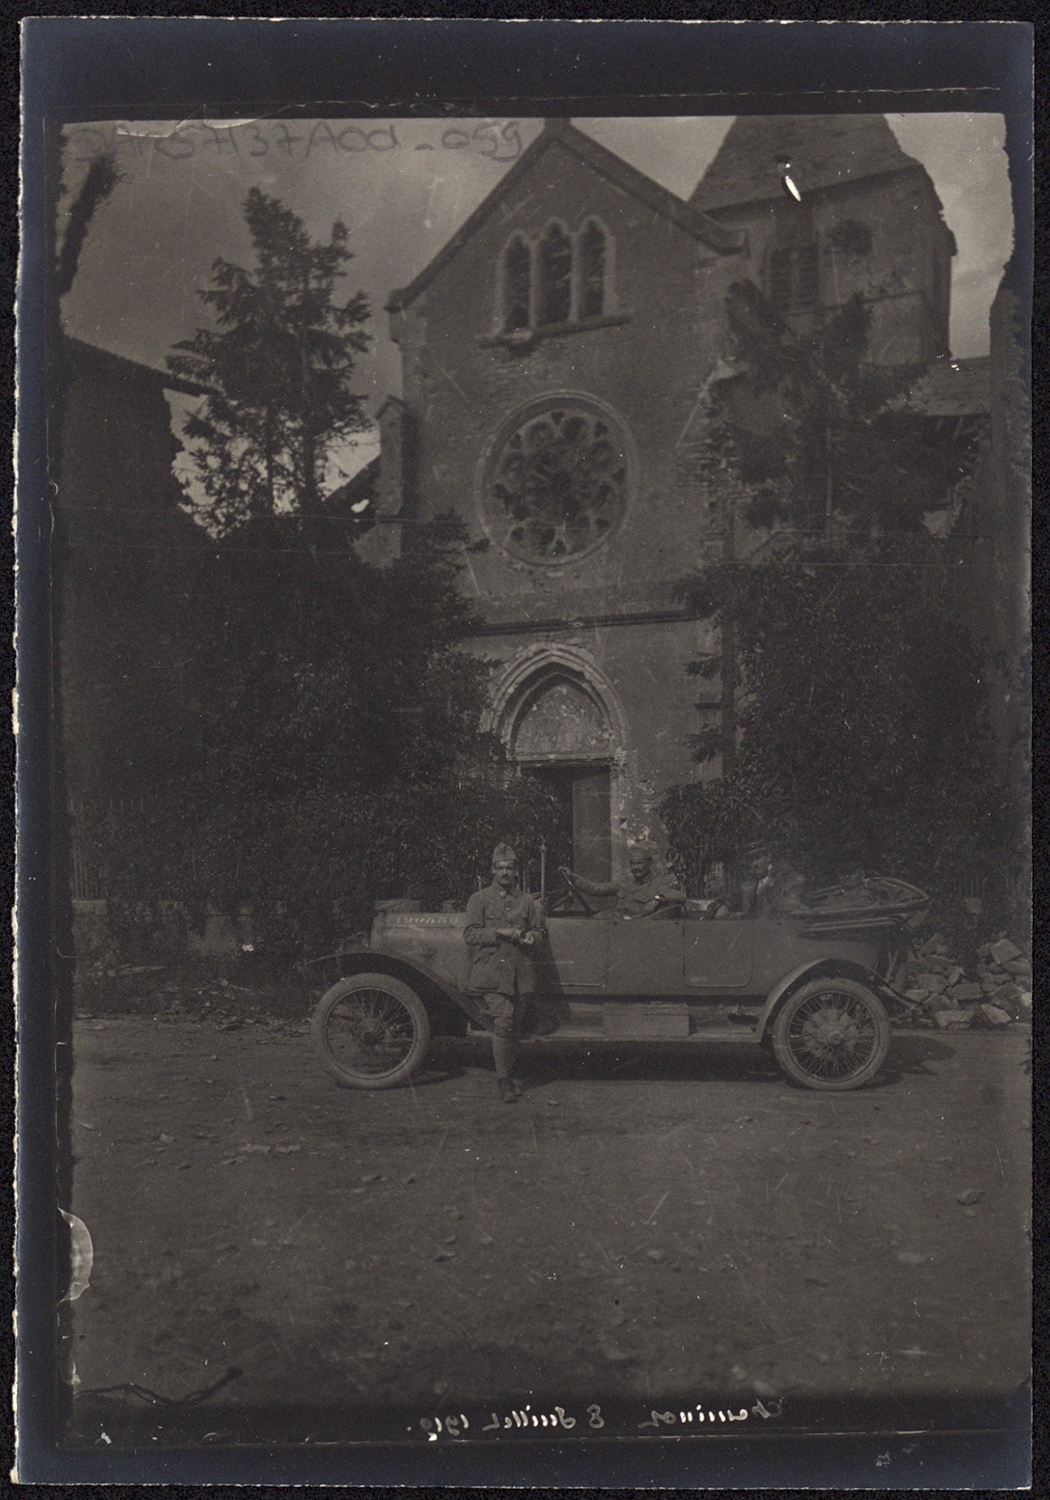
(570, 881)
(667, 910)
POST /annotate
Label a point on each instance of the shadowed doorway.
(584, 822)
(561, 735)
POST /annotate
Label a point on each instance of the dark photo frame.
(170, 1203)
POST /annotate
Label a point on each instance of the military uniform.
(501, 968)
(780, 894)
(635, 898)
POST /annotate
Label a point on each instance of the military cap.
(503, 852)
(641, 846)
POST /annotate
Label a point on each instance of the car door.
(645, 956)
(717, 956)
(575, 957)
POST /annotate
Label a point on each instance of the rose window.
(556, 485)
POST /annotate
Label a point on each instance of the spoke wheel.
(371, 1031)
(831, 1034)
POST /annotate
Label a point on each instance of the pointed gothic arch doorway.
(560, 722)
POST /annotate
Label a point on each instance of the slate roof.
(118, 367)
(360, 486)
(824, 151)
(561, 134)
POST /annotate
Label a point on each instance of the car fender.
(821, 968)
(448, 1008)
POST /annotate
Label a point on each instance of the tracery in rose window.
(557, 485)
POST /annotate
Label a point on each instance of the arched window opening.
(516, 278)
(592, 272)
(555, 277)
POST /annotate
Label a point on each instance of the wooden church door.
(562, 735)
(591, 823)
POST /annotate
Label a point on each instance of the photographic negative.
(540, 641)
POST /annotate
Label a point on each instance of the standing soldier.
(503, 925)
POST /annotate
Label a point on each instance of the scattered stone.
(954, 1020)
(656, 1254)
(1026, 999)
(936, 984)
(1020, 966)
(955, 974)
(969, 1195)
(486, 1239)
(917, 995)
(1003, 951)
(937, 961)
(909, 1258)
(995, 1016)
(968, 990)
(445, 1255)
(371, 1177)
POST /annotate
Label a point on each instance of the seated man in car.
(642, 894)
(780, 889)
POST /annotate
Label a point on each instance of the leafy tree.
(320, 747)
(862, 717)
(278, 369)
(860, 727)
(815, 432)
(293, 729)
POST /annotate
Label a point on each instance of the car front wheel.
(371, 1031)
(831, 1034)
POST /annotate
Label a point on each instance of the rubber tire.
(397, 990)
(789, 1063)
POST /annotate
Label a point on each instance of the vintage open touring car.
(816, 988)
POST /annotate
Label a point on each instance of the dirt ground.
(648, 1220)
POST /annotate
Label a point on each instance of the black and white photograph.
(538, 734)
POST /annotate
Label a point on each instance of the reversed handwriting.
(685, 1418)
(498, 140)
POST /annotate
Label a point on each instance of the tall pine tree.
(278, 369)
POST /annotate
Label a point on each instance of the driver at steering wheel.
(642, 894)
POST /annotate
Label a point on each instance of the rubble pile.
(1000, 992)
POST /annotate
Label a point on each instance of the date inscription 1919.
(516, 1421)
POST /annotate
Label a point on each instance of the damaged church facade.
(556, 356)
